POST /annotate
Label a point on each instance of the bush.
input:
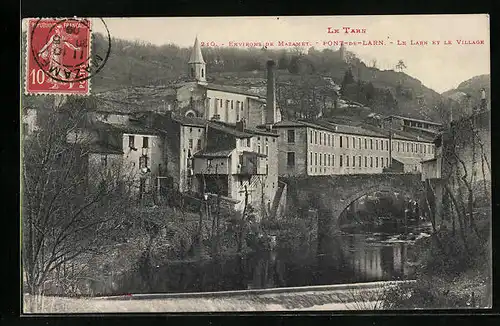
(421, 295)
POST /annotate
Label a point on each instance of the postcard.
(288, 163)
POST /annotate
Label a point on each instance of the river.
(364, 257)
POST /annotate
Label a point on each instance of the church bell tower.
(197, 66)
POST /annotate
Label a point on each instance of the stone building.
(321, 148)
(200, 99)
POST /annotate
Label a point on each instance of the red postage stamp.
(58, 56)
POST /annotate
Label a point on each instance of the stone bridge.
(331, 195)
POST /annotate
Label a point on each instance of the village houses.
(214, 140)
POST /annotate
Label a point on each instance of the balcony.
(250, 163)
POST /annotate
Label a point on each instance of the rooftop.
(213, 154)
(196, 56)
(231, 128)
(414, 119)
(232, 89)
(408, 160)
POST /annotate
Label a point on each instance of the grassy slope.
(133, 64)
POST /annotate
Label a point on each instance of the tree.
(348, 79)
(400, 66)
(466, 166)
(65, 216)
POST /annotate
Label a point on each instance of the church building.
(198, 98)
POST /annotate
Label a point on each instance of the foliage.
(66, 217)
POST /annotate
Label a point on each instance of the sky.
(440, 67)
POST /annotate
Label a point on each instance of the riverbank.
(361, 296)
(448, 274)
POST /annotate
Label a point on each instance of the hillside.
(308, 84)
(471, 87)
(468, 94)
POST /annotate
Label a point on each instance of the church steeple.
(197, 65)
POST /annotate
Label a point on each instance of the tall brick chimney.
(271, 94)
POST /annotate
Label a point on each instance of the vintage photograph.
(288, 163)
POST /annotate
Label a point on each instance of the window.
(329, 139)
(190, 130)
(290, 159)
(324, 139)
(232, 104)
(341, 141)
(202, 73)
(145, 142)
(329, 160)
(267, 149)
(340, 158)
(371, 143)
(131, 141)
(258, 148)
(398, 146)
(386, 161)
(104, 160)
(366, 144)
(315, 137)
(248, 142)
(291, 136)
(192, 72)
(386, 145)
(241, 160)
(315, 158)
(359, 160)
(371, 161)
(347, 143)
(333, 160)
(407, 147)
(376, 162)
(143, 162)
(320, 159)
(353, 142)
(346, 160)
(227, 104)
(376, 144)
(333, 140)
(198, 144)
(311, 160)
(190, 144)
(353, 161)
(320, 137)
(366, 162)
(359, 143)
(381, 162)
(311, 137)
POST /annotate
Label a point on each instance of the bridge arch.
(333, 194)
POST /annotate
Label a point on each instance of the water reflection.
(363, 257)
(375, 261)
